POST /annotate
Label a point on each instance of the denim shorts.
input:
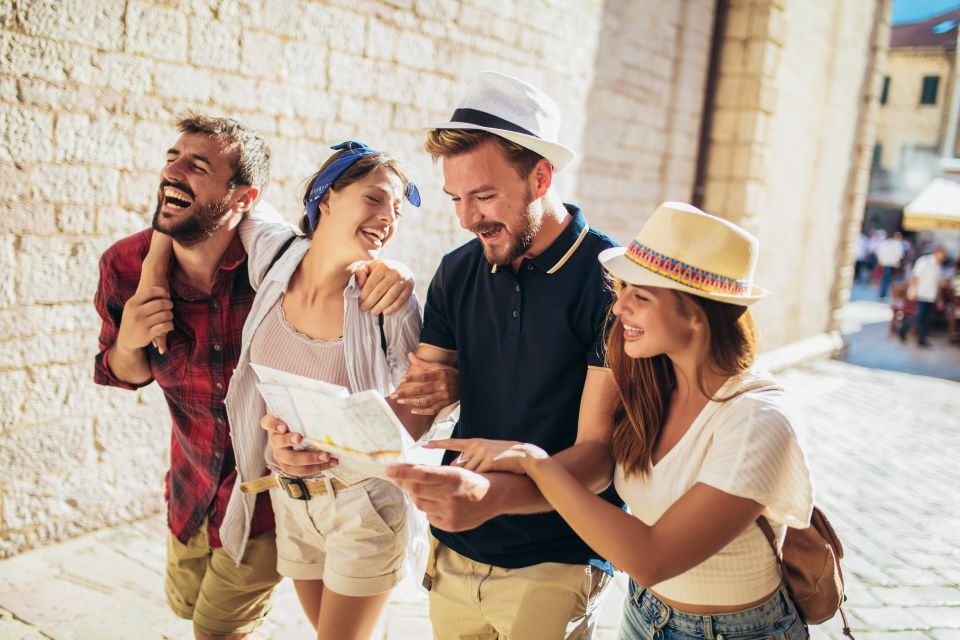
(646, 617)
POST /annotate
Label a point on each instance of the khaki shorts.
(353, 540)
(546, 601)
(205, 585)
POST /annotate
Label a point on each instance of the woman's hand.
(482, 455)
(295, 463)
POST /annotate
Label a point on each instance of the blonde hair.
(444, 143)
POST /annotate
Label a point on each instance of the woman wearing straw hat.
(704, 443)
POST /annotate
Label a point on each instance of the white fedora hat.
(515, 110)
(683, 248)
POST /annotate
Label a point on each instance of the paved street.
(870, 343)
(882, 444)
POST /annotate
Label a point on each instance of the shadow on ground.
(869, 342)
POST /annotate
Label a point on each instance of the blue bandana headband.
(352, 151)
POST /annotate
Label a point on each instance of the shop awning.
(936, 207)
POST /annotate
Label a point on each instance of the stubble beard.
(519, 241)
(206, 220)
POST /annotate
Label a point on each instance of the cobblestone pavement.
(882, 445)
(870, 342)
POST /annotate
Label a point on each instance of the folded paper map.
(360, 429)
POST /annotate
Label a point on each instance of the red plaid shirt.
(202, 352)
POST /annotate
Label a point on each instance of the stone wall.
(89, 93)
(789, 148)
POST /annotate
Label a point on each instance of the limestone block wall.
(641, 141)
(89, 93)
(788, 154)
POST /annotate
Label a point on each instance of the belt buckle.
(285, 482)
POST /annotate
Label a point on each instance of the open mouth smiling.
(376, 235)
(175, 198)
(632, 333)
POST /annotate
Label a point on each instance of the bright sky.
(916, 10)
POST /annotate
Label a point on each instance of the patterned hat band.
(684, 273)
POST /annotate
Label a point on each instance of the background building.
(917, 120)
(760, 109)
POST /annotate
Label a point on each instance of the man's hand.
(483, 455)
(294, 463)
(385, 286)
(427, 387)
(146, 315)
(452, 498)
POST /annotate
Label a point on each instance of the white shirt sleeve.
(755, 454)
(263, 233)
(402, 330)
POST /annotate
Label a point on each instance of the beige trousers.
(548, 601)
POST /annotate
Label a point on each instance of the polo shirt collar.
(566, 244)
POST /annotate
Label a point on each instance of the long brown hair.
(646, 384)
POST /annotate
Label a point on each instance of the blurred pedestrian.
(889, 255)
(863, 258)
(924, 288)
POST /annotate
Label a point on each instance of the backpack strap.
(771, 539)
(383, 336)
(283, 249)
(778, 554)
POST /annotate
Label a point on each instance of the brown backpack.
(810, 566)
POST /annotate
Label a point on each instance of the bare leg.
(348, 617)
(310, 593)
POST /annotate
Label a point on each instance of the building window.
(877, 155)
(928, 95)
(885, 92)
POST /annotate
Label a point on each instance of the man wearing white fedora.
(520, 310)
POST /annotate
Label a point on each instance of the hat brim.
(615, 261)
(559, 156)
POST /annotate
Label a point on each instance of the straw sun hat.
(681, 247)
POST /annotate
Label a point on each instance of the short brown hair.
(251, 155)
(357, 171)
(443, 143)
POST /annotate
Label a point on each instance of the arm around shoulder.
(263, 233)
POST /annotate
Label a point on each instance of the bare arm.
(155, 273)
(588, 460)
(676, 543)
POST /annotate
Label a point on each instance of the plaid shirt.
(202, 352)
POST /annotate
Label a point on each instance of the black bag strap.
(383, 336)
(283, 249)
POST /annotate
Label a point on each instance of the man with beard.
(520, 310)
(213, 176)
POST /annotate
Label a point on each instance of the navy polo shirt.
(524, 342)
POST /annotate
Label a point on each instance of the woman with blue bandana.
(341, 536)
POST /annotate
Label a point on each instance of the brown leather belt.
(296, 488)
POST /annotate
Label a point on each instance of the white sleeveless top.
(747, 447)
